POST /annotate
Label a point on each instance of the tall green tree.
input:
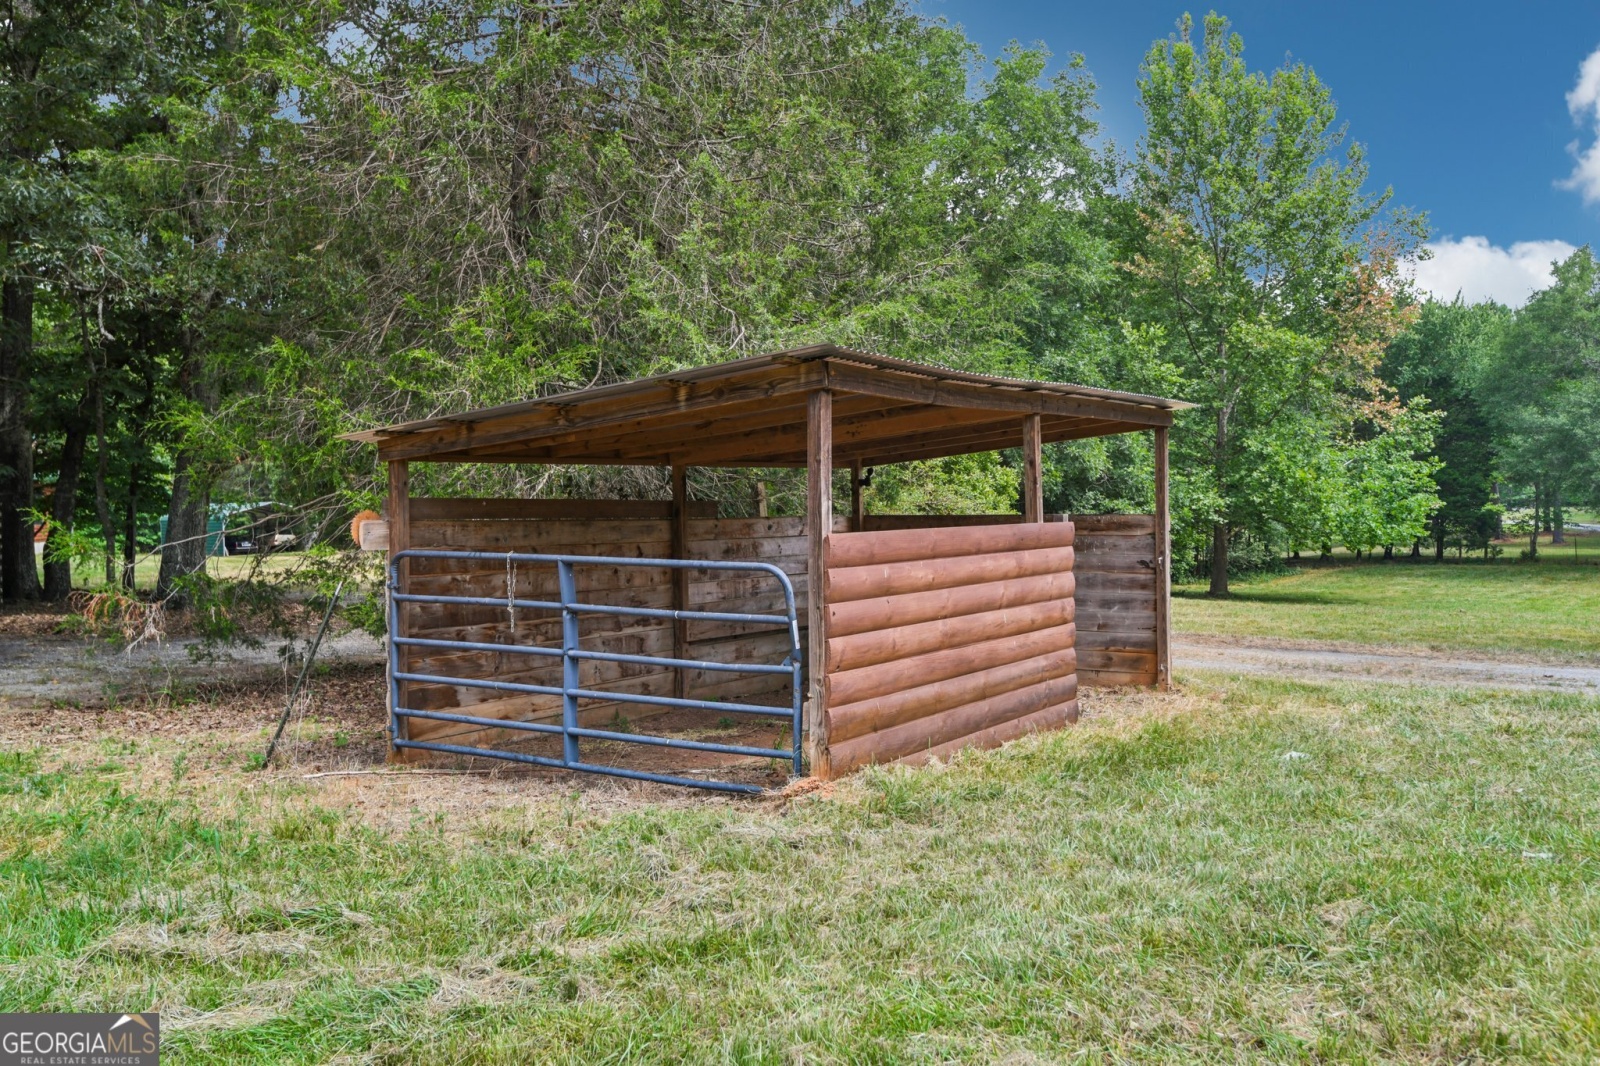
(505, 201)
(1263, 258)
(1541, 389)
(1440, 357)
(71, 81)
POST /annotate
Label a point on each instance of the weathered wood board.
(1117, 579)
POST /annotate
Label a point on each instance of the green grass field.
(1254, 872)
(1549, 608)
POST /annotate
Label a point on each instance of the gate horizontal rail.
(572, 656)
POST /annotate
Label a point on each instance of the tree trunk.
(1533, 535)
(1388, 551)
(102, 500)
(1219, 559)
(19, 572)
(184, 551)
(130, 527)
(1558, 520)
(58, 572)
(1219, 458)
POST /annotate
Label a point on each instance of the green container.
(215, 545)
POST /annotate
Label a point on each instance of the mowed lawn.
(1550, 608)
(1249, 871)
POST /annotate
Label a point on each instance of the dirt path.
(43, 671)
(76, 671)
(1322, 662)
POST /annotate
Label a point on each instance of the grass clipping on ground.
(1247, 871)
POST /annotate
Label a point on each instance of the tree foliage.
(1266, 261)
(235, 231)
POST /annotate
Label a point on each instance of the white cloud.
(1584, 104)
(1479, 271)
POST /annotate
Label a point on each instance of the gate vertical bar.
(397, 509)
(394, 657)
(569, 664)
(680, 578)
(798, 695)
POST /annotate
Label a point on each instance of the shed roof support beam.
(819, 525)
(1032, 470)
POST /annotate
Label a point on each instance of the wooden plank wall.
(875, 522)
(940, 643)
(1116, 570)
(496, 526)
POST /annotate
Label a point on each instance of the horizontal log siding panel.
(936, 730)
(914, 608)
(1049, 718)
(904, 545)
(897, 708)
(884, 645)
(851, 686)
(933, 638)
(1116, 593)
(925, 575)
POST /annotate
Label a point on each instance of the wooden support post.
(680, 578)
(857, 510)
(397, 509)
(1163, 567)
(761, 499)
(1032, 470)
(819, 525)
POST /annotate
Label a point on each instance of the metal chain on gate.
(511, 593)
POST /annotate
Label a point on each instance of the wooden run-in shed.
(922, 634)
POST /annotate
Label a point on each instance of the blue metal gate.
(572, 655)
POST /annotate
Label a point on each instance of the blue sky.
(1483, 115)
